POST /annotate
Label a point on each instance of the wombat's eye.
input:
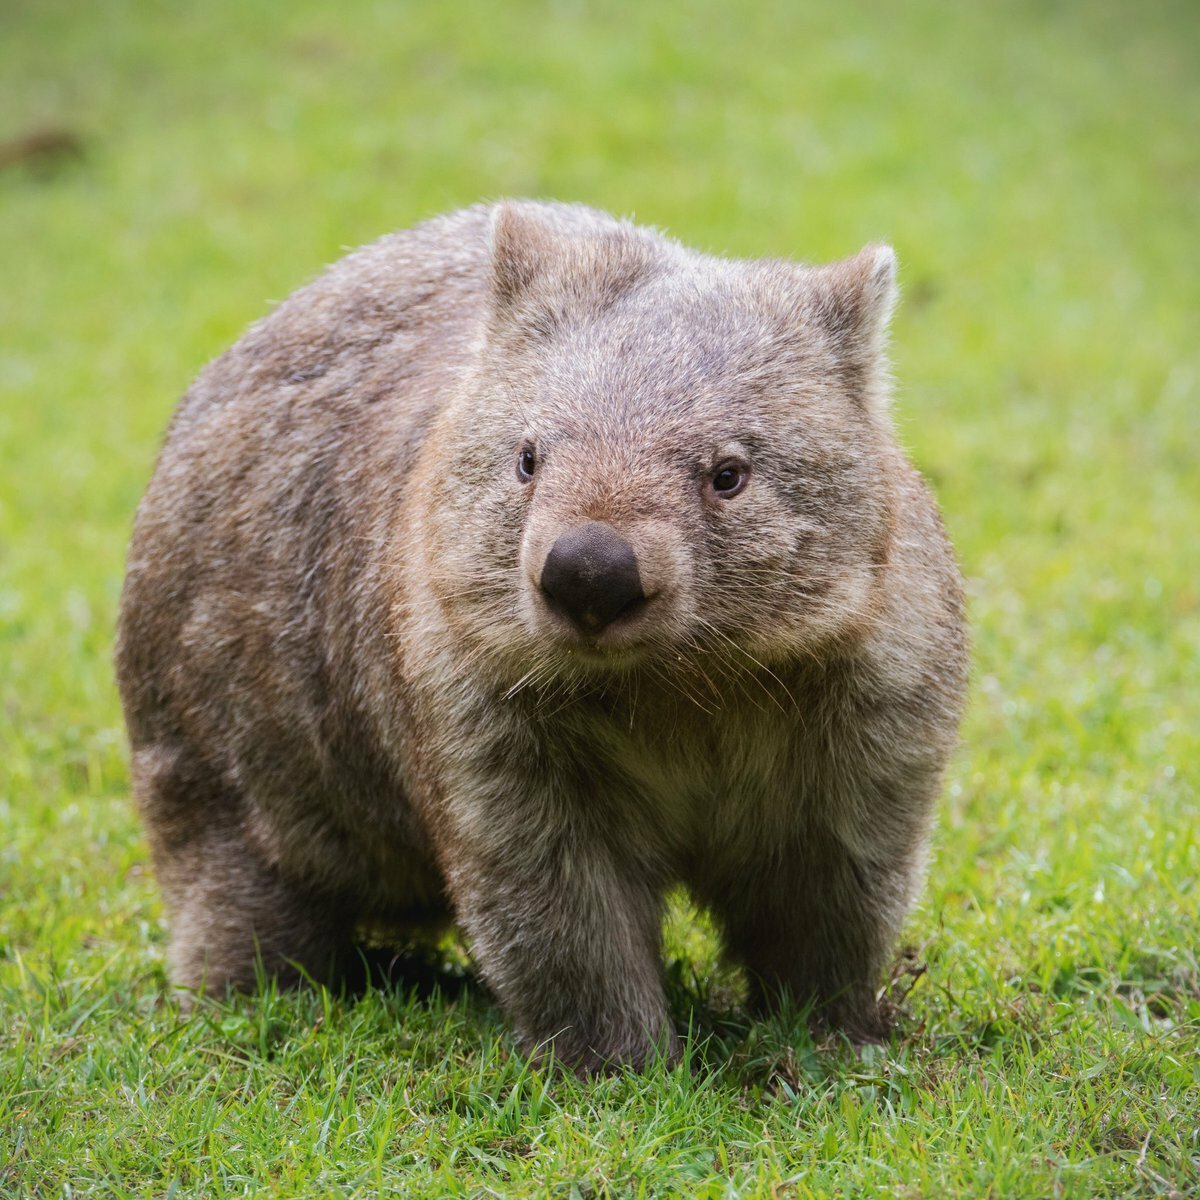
(526, 464)
(729, 478)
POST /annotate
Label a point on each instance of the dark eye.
(729, 479)
(526, 464)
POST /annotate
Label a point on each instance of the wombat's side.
(521, 567)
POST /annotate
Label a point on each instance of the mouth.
(614, 642)
(593, 624)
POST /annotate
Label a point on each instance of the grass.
(1038, 169)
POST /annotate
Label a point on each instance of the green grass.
(1038, 168)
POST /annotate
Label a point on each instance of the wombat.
(523, 567)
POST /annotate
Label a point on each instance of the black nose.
(591, 576)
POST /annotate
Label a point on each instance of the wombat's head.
(664, 454)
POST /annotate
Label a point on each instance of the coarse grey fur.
(349, 700)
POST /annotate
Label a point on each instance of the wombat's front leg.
(570, 945)
(817, 922)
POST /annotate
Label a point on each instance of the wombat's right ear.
(524, 251)
(544, 274)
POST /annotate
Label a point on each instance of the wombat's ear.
(524, 249)
(853, 301)
(543, 273)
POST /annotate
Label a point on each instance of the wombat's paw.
(213, 973)
(862, 1024)
(590, 1058)
(238, 920)
(876, 1033)
(185, 998)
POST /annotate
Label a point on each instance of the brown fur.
(349, 701)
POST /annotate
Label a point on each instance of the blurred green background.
(166, 171)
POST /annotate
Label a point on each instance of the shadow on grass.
(416, 971)
(443, 1019)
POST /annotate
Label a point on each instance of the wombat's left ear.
(854, 299)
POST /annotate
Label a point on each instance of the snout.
(591, 577)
